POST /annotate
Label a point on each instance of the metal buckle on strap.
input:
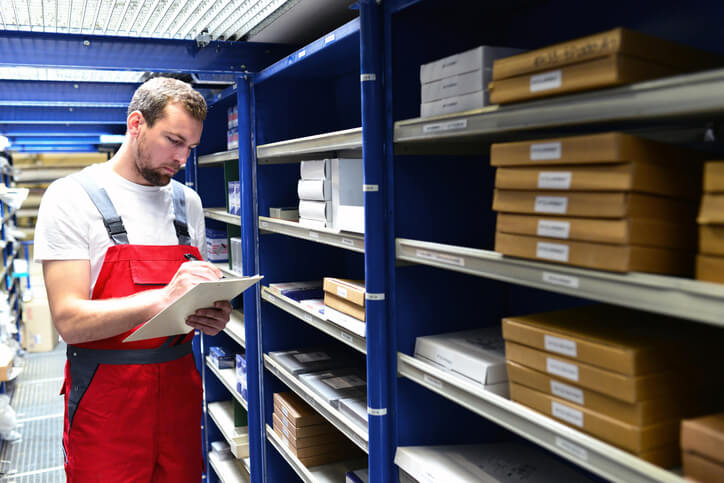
(182, 229)
(115, 226)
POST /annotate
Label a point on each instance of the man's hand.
(211, 320)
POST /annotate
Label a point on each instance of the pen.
(192, 257)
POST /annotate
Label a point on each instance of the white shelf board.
(330, 473)
(315, 320)
(228, 379)
(338, 420)
(688, 95)
(586, 451)
(346, 240)
(347, 143)
(678, 297)
(221, 214)
(229, 470)
(222, 412)
(218, 158)
(224, 267)
(235, 328)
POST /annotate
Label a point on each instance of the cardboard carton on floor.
(38, 333)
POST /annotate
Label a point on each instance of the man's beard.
(142, 158)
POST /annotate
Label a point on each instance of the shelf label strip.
(376, 412)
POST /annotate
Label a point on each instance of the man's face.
(163, 149)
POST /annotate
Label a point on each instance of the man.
(115, 241)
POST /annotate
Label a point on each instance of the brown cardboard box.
(302, 442)
(614, 338)
(710, 269)
(636, 439)
(6, 362)
(699, 468)
(625, 388)
(298, 412)
(338, 303)
(339, 448)
(351, 290)
(605, 148)
(38, 333)
(712, 209)
(631, 176)
(609, 71)
(711, 239)
(704, 436)
(593, 205)
(303, 431)
(621, 231)
(618, 40)
(714, 177)
(640, 413)
(324, 459)
(618, 258)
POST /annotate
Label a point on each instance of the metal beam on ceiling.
(67, 91)
(57, 140)
(42, 129)
(62, 115)
(64, 149)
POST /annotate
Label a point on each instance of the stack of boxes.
(615, 57)
(307, 434)
(622, 376)
(608, 201)
(710, 260)
(315, 194)
(217, 248)
(702, 446)
(232, 128)
(344, 303)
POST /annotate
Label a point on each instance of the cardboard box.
(614, 338)
(621, 231)
(704, 436)
(478, 59)
(699, 468)
(714, 177)
(298, 290)
(609, 71)
(348, 202)
(284, 213)
(349, 452)
(593, 205)
(712, 209)
(6, 362)
(452, 86)
(605, 148)
(710, 269)
(636, 439)
(618, 40)
(641, 413)
(477, 355)
(342, 305)
(449, 105)
(345, 321)
(350, 290)
(38, 333)
(711, 239)
(617, 258)
(307, 431)
(328, 437)
(618, 386)
(296, 411)
(630, 176)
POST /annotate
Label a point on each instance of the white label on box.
(308, 318)
(551, 204)
(432, 381)
(439, 257)
(344, 382)
(552, 251)
(264, 224)
(546, 81)
(286, 432)
(561, 346)
(301, 54)
(313, 234)
(342, 292)
(565, 391)
(570, 415)
(329, 38)
(562, 369)
(558, 279)
(285, 413)
(571, 448)
(554, 229)
(311, 357)
(544, 151)
(347, 242)
(555, 180)
(443, 361)
(346, 337)
(445, 126)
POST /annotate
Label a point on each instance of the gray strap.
(99, 197)
(179, 211)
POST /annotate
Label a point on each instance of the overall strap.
(179, 211)
(99, 197)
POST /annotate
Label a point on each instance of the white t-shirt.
(70, 227)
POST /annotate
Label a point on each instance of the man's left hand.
(211, 320)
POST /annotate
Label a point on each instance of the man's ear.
(134, 122)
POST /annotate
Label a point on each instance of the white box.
(345, 321)
(479, 58)
(355, 409)
(336, 384)
(464, 102)
(316, 210)
(348, 211)
(313, 224)
(315, 169)
(497, 462)
(235, 249)
(453, 86)
(308, 360)
(314, 189)
(284, 213)
(478, 354)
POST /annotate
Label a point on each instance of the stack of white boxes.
(459, 82)
(315, 194)
(232, 125)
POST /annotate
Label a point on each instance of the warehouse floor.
(38, 456)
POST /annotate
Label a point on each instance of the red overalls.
(133, 410)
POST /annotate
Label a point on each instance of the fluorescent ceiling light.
(112, 138)
(77, 75)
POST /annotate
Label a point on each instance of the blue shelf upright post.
(380, 367)
(250, 262)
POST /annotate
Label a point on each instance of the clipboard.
(172, 319)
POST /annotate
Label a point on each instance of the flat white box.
(316, 210)
(464, 102)
(454, 86)
(336, 384)
(308, 360)
(314, 224)
(497, 462)
(478, 354)
(284, 212)
(479, 58)
(356, 409)
(315, 169)
(314, 189)
(348, 210)
(345, 321)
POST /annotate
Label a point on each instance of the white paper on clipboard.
(172, 319)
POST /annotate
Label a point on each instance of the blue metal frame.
(63, 115)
